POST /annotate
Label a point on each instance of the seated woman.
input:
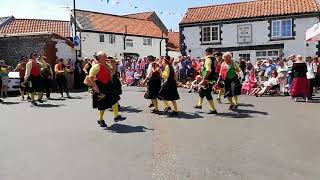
(268, 85)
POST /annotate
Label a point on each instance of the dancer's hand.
(95, 89)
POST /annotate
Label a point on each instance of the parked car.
(14, 82)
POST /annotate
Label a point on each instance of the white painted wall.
(259, 37)
(174, 54)
(64, 50)
(90, 43)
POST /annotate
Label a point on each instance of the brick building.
(20, 37)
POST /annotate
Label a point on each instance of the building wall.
(12, 48)
(90, 43)
(64, 50)
(174, 54)
(260, 36)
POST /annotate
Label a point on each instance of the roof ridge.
(233, 3)
(139, 13)
(40, 19)
(121, 16)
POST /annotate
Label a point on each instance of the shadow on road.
(245, 105)
(57, 99)
(183, 115)
(75, 97)
(49, 105)
(122, 128)
(242, 113)
(10, 103)
(130, 109)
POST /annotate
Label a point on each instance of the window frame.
(129, 42)
(101, 38)
(204, 34)
(147, 41)
(112, 39)
(280, 30)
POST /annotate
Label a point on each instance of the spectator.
(300, 83)
(310, 74)
(283, 77)
(4, 73)
(137, 77)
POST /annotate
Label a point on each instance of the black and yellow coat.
(169, 91)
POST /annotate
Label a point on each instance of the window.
(129, 42)
(267, 54)
(282, 28)
(147, 41)
(210, 34)
(112, 38)
(246, 57)
(101, 38)
(215, 33)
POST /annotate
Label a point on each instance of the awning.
(313, 34)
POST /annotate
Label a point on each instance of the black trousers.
(62, 84)
(206, 92)
(312, 83)
(47, 86)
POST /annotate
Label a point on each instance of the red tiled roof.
(142, 15)
(174, 41)
(251, 9)
(61, 28)
(95, 21)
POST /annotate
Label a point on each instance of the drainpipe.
(125, 37)
(161, 44)
(75, 25)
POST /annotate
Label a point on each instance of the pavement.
(268, 138)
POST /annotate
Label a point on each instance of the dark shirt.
(299, 70)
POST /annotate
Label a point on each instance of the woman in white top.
(282, 76)
(311, 76)
(267, 85)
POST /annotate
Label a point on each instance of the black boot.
(102, 123)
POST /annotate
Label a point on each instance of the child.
(195, 84)
(249, 83)
(4, 73)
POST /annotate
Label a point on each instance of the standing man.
(209, 77)
(104, 94)
(47, 75)
(32, 76)
(61, 72)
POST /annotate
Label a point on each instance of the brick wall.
(12, 48)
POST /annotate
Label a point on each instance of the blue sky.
(170, 11)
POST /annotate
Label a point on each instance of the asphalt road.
(269, 138)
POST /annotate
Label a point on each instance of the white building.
(251, 30)
(120, 36)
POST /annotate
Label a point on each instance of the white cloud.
(44, 9)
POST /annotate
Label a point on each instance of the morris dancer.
(168, 91)
(21, 68)
(104, 95)
(61, 77)
(115, 77)
(154, 83)
(32, 76)
(209, 77)
(230, 73)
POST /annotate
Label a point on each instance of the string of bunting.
(131, 5)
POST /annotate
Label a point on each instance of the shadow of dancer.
(122, 128)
